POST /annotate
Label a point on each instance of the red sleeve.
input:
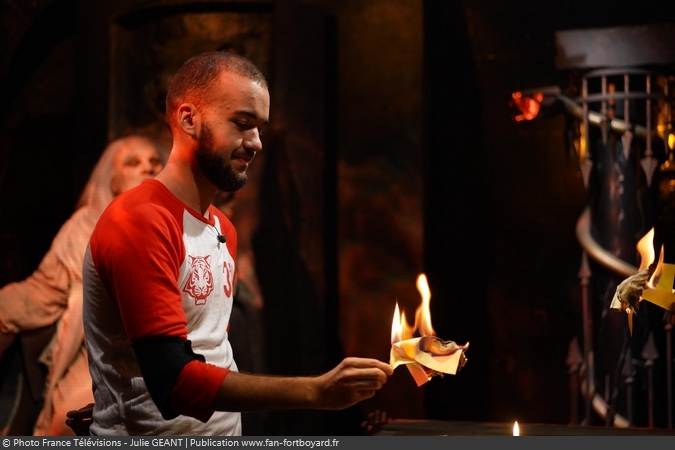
(137, 254)
(196, 399)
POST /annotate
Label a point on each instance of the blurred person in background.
(53, 293)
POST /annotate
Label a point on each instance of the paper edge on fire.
(662, 295)
(412, 353)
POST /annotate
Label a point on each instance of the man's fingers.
(369, 363)
(80, 427)
(361, 385)
(82, 413)
(369, 374)
(353, 380)
(366, 393)
(367, 368)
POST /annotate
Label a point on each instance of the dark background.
(392, 151)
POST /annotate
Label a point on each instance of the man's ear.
(189, 119)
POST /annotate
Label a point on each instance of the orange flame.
(654, 279)
(645, 248)
(516, 429)
(659, 288)
(400, 330)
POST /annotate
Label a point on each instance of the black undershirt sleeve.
(161, 359)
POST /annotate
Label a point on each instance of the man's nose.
(252, 141)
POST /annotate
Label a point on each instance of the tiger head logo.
(199, 284)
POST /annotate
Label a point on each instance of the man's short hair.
(194, 80)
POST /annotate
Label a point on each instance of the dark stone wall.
(36, 136)
(380, 184)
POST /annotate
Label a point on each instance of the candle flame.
(516, 429)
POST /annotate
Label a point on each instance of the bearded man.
(159, 272)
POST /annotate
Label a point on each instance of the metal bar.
(603, 105)
(626, 105)
(574, 362)
(650, 397)
(616, 71)
(618, 96)
(629, 377)
(629, 403)
(574, 398)
(668, 316)
(584, 114)
(598, 252)
(669, 367)
(609, 415)
(648, 107)
(585, 274)
(650, 354)
(666, 93)
(668, 112)
(617, 125)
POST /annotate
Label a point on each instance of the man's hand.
(353, 380)
(80, 420)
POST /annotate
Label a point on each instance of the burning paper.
(652, 284)
(418, 347)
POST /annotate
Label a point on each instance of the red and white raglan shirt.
(158, 288)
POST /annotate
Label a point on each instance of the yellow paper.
(662, 295)
(428, 356)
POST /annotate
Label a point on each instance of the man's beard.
(211, 165)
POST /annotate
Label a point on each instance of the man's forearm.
(195, 394)
(350, 382)
(243, 392)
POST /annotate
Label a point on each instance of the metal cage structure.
(625, 133)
